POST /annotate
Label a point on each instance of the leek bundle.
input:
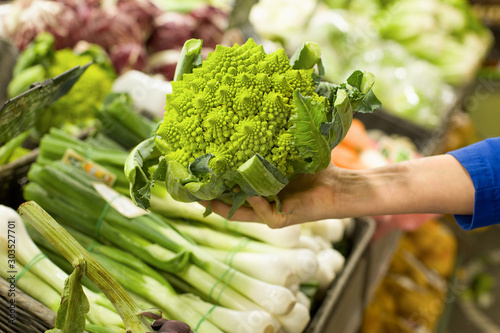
(201, 270)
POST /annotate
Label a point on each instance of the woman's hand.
(437, 184)
(306, 198)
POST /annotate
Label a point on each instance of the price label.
(71, 157)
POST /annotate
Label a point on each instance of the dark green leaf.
(208, 210)
(239, 199)
(200, 165)
(365, 101)
(137, 171)
(306, 122)
(368, 104)
(356, 79)
(342, 114)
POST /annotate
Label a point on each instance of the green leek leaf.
(74, 304)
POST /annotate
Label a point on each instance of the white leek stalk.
(304, 261)
(296, 320)
(229, 320)
(166, 206)
(263, 266)
(303, 299)
(309, 242)
(275, 299)
(30, 284)
(332, 230)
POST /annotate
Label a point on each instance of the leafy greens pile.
(243, 118)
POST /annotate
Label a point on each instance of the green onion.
(29, 283)
(58, 178)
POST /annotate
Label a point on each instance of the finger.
(267, 212)
(242, 214)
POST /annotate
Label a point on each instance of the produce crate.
(342, 308)
(28, 315)
(13, 176)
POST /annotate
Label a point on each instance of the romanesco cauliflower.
(79, 105)
(243, 118)
(236, 105)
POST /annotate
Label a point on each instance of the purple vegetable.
(110, 28)
(172, 30)
(211, 25)
(30, 17)
(144, 13)
(175, 326)
(128, 56)
(158, 323)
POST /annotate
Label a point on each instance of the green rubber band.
(226, 284)
(103, 214)
(91, 246)
(30, 264)
(205, 317)
(234, 229)
(88, 153)
(217, 282)
(232, 253)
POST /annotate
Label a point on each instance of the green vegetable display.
(13, 149)
(40, 61)
(244, 118)
(419, 50)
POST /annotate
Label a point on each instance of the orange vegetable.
(357, 138)
(344, 156)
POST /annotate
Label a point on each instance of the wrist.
(436, 184)
(373, 191)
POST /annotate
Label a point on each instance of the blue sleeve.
(482, 162)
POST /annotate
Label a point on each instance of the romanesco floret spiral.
(236, 104)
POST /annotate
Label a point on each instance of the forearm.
(437, 184)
